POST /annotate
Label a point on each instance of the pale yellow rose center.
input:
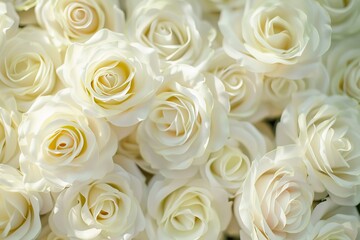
(65, 142)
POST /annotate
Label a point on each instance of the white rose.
(229, 166)
(59, 145)
(28, 66)
(70, 21)
(280, 38)
(108, 208)
(112, 78)
(345, 17)
(327, 128)
(343, 65)
(277, 201)
(186, 123)
(173, 29)
(9, 21)
(9, 121)
(278, 90)
(19, 209)
(186, 209)
(330, 221)
(244, 88)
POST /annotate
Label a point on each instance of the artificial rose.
(112, 78)
(278, 91)
(28, 66)
(345, 17)
(243, 87)
(70, 21)
(60, 145)
(9, 122)
(173, 29)
(19, 209)
(327, 128)
(330, 221)
(228, 167)
(343, 65)
(277, 201)
(280, 38)
(186, 209)
(107, 208)
(9, 21)
(186, 123)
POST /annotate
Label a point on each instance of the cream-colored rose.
(112, 78)
(9, 122)
(186, 209)
(330, 221)
(69, 21)
(276, 37)
(244, 88)
(60, 145)
(28, 66)
(343, 65)
(278, 90)
(277, 201)
(186, 123)
(9, 21)
(173, 29)
(107, 208)
(228, 167)
(327, 128)
(19, 209)
(345, 17)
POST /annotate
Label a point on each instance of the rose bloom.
(186, 122)
(276, 37)
(174, 29)
(186, 209)
(28, 66)
(107, 208)
(60, 145)
(19, 209)
(244, 88)
(277, 91)
(343, 64)
(327, 128)
(345, 17)
(69, 21)
(277, 201)
(9, 122)
(330, 221)
(229, 166)
(9, 21)
(112, 78)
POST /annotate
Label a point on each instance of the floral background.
(179, 119)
